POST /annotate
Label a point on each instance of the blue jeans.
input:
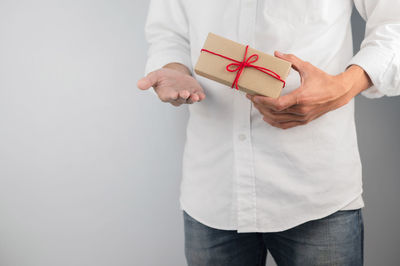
(337, 239)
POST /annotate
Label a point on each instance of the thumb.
(297, 63)
(149, 81)
(287, 100)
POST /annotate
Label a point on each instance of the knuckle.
(300, 99)
(174, 96)
(303, 110)
(279, 106)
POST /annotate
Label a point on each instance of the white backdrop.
(90, 165)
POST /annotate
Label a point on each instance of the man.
(262, 174)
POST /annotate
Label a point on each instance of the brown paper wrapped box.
(251, 80)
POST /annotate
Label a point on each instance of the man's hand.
(318, 94)
(174, 84)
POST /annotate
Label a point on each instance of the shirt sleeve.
(167, 33)
(379, 52)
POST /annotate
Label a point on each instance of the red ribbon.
(240, 65)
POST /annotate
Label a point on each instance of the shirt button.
(242, 137)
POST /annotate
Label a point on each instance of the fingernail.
(279, 53)
(256, 100)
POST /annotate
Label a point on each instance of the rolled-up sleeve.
(167, 34)
(379, 52)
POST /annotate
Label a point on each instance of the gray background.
(90, 165)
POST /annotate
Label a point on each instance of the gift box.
(242, 67)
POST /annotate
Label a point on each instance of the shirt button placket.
(245, 179)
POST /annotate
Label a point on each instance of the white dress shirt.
(240, 173)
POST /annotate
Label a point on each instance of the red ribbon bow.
(240, 65)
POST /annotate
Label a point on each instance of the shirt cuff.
(375, 63)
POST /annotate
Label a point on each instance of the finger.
(277, 104)
(291, 110)
(297, 63)
(196, 97)
(149, 81)
(143, 84)
(318, 115)
(283, 125)
(300, 109)
(188, 101)
(193, 98)
(180, 100)
(183, 96)
(186, 97)
(175, 103)
(286, 125)
(202, 96)
(281, 118)
(168, 96)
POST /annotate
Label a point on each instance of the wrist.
(356, 79)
